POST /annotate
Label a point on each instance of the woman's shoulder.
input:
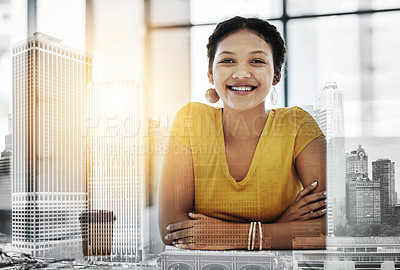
(196, 108)
(189, 120)
(290, 113)
(291, 110)
(294, 117)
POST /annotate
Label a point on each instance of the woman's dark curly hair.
(262, 28)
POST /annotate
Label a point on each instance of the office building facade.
(348, 253)
(383, 170)
(49, 176)
(364, 202)
(362, 194)
(351, 253)
(357, 164)
(5, 195)
(117, 165)
(331, 122)
(6, 183)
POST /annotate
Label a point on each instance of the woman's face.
(243, 70)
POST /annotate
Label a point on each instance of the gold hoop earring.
(274, 96)
(212, 95)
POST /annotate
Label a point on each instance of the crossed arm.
(181, 227)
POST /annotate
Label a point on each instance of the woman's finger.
(177, 235)
(182, 246)
(305, 191)
(198, 216)
(189, 246)
(312, 207)
(314, 215)
(194, 246)
(185, 241)
(179, 226)
(308, 199)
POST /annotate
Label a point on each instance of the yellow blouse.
(271, 184)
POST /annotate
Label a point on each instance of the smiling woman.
(243, 75)
(264, 187)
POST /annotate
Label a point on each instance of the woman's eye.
(258, 61)
(227, 61)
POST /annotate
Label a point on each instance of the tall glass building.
(331, 122)
(383, 170)
(117, 169)
(49, 164)
(6, 183)
(362, 194)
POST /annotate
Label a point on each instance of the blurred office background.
(161, 43)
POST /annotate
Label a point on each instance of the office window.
(176, 14)
(63, 20)
(211, 11)
(306, 7)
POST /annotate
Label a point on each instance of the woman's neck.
(244, 125)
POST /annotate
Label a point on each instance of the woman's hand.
(202, 232)
(306, 206)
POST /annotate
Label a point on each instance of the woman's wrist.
(236, 235)
(258, 236)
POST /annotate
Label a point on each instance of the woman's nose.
(241, 74)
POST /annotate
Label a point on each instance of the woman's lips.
(242, 89)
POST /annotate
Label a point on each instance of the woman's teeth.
(241, 88)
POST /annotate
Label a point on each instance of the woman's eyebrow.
(225, 52)
(253, 52)
(259, 51)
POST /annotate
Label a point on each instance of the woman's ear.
(210, 76)
(277, 77)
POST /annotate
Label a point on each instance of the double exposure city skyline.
(57, 185)
(339, 65)
(328, 113)
(105, 100)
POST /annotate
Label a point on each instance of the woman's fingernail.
(325, 193)
(314, 184)
(173, 243)
(166, 237)
(178, 245)
(168, 227)
(325, 201)
(323, 210)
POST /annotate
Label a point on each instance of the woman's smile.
(239, 89)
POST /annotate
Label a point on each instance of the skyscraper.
(117, 161)
(364, 202)
(356, 164)
(330, 120)
(6, 183)
(49, 176)
(362, 194)
(383, 171)
(6, 33)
